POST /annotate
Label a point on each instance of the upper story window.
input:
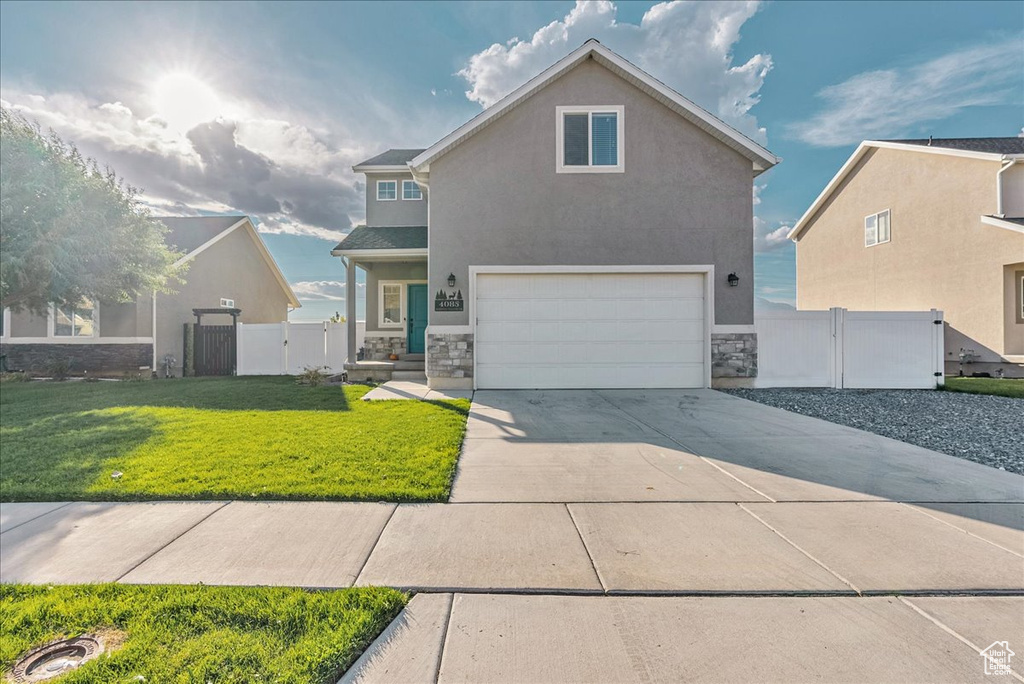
(590, 139)
(411, 190)
(78, 321)
(387, 191)
(876, 228)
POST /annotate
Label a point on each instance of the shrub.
(59, 367)
(16, 376)
(314, 376)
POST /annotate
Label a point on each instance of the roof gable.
(760, 158)
(195, 234)
(974, 148)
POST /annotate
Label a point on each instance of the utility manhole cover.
(55, 659)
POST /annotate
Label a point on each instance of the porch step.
(408, 365)
(409, 375)
(411, 357)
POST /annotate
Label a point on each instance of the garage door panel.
(590, 330)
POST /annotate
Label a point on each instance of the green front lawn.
(1002, 387)
(199, 633)
(222, 438)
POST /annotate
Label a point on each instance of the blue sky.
(262, 108)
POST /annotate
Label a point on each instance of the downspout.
(1007, 163)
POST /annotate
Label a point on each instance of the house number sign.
(444, 301)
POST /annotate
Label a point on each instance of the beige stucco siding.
(940, 255)
(684, 198)
(232, 268)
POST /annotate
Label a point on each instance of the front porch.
(394, 261)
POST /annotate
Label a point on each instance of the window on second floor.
(876, 228)
(590, 139)
(387, 190)
(411, 190)
(77, 321)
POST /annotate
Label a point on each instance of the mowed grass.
(1001, 387)
(222, 438)
(199, 633)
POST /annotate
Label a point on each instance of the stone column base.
(450, 360)
(733, 355)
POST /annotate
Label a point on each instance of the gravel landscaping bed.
(981, 428)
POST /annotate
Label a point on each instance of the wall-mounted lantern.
(451, 280)
(733, 279)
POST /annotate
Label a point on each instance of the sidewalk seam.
(52, 510)
(590, 556)
(955, 527)
(949, 630)
(684, 446)
(444, 639)
(801, 550)
(176, 538)
(373, 548)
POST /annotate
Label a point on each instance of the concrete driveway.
(695, 445)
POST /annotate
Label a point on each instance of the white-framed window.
(76, 321)
(411, 190)
(877, 229)
(387, 191)
(5, 323)
(590, 139)
(389, 304)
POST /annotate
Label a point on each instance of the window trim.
(51, 324)
(415, 185)
(381, 323)
(5, 329)
(877, 241)
(560, 113)
(1019, 287)
(387, 199)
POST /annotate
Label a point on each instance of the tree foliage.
(68, 229)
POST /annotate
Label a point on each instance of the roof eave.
(381, 253)
(380, 168)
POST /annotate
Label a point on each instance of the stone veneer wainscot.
(734, 355)
(91, 358)
(379, 348)
(450, 355)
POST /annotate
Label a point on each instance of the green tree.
(69, 230)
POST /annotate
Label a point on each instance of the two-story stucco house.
(923, 224)
(592, 229)
(228, 264)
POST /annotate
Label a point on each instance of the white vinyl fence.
(288, 348)
(849, 349)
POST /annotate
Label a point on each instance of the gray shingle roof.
(188, 233)
(392, 158)
(989, 145)
(385, 237)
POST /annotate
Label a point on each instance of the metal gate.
(214, 349)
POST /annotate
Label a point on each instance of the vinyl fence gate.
(850, 349)
(288, 348)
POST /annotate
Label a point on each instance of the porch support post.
(350, 307)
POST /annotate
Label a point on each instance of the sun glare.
(184, 101)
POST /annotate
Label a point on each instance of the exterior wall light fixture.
(733, 279)
(451, 280)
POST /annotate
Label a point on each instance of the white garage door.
(589, 330)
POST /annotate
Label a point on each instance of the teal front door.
(417, 318)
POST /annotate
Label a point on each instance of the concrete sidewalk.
(593, 640)
(592, 548)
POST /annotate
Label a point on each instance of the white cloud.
(332, 290)
(891, 103)
(687, 45)
(292, 178)
(767, 238)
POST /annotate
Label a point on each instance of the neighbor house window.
(390, 304)
(387, 190)
(876, 228)
(590, 139)
(411, 190)
(77, 321)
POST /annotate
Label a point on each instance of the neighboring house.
(592, 229)
(228, 264)
(925, 224)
